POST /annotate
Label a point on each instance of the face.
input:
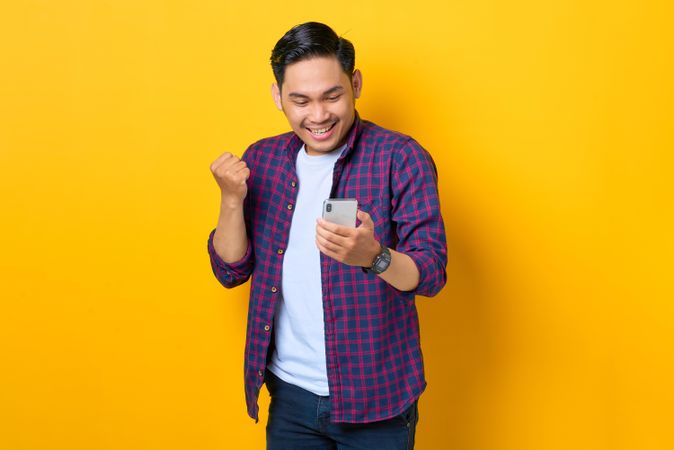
(319, 101)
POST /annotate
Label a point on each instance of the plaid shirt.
(373, 354)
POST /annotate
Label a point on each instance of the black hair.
(309, 40)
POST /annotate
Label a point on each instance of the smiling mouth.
(321, 131)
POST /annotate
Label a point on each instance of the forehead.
(314, 76)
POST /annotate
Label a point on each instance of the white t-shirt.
(299, 356)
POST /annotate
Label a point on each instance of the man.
(332, 324)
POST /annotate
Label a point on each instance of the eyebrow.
(332, 90)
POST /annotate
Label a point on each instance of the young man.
(332, 323)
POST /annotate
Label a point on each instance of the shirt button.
(290, 206)
(274, 289)
(279, 251)
(267, 328)
(293, 184)
(259, 372)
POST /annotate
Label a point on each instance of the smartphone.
(341, 211)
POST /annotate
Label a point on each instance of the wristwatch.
(380, 262)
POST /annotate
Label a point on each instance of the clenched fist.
(231, 175)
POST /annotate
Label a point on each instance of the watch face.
(382, 261)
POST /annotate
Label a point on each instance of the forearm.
(230, 239)
(402, 273)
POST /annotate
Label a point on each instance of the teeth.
(320, 130)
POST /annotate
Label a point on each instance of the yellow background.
(551, 126)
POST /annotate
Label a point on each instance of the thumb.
(365, 219)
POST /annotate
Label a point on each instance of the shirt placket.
(331, 354)
(289, 185)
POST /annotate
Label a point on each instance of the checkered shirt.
(373, 353)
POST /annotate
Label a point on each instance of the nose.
(318, 113)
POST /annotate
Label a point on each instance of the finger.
(226, 159)
(335, 228)
(237, 167)
(326, 250)
(233, 170)
(329, 236)
(326, 244)
(223, 157)
(220, 159)
(365, 219)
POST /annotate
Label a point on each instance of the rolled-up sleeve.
(417, 216)
(231, 274)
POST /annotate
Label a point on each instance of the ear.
(276, 95)
(357, 83)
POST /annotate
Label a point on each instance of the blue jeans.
(299, 419)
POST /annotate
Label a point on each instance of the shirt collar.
(353, 134)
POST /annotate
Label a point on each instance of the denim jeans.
(299, 419)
